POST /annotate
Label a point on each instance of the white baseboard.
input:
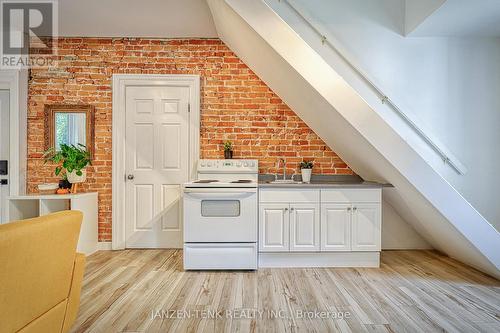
(104, 246)
(319, 259)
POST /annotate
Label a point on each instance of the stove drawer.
(213, 256)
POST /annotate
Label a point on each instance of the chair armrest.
(74, 292)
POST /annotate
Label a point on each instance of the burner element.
(205, 181)
(241, 181)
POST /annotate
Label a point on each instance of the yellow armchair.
(40, 273)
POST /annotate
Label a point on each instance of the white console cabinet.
(29, 206)
(303, 227)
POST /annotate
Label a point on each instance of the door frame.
(16, 82)
(120, 83)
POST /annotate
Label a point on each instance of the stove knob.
(203, 164)
(245, 164)
(209, 164)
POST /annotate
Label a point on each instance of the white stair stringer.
(342, 118)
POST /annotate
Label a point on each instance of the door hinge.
(189, 107)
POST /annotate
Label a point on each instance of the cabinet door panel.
(273, 228)
(335, 227)
(304, 227)
(366, 225)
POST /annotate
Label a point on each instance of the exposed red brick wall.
(235, 105)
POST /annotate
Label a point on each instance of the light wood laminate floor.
(412, 291)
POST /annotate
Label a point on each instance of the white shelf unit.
(30, 206)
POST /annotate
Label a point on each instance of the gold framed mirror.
(69, 124)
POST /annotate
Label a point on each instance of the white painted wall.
(416, 11)
(348, 123)
(452, 18)
(450, 85)
(397, 234)
(133, 18)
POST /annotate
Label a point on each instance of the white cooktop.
(219, 184)
(226, 173)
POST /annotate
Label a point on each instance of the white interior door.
(4, 149)
(156, 164)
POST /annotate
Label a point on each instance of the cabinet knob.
(348, 209)
(354, 208)
(291, 209)
(130, 177)
(286, 209)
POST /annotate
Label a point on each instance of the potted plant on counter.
(73, 159)
(306, 170)
(228, 150)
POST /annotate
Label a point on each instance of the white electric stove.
(220, 216)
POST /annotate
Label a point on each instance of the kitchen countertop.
(323, 181)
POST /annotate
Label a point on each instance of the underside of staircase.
(342, 116)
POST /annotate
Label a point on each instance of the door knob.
(130, 177)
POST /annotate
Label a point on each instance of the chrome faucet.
(278, 166)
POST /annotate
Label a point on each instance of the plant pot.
(73, 178)
(228, 154)
(64, 183)
(306, 175)
(45, 189)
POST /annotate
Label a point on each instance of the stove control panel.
(228, 166)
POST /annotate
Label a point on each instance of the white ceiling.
(460, 18)
(192, 18)
(136, 18)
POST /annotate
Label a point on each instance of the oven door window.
(220, 208)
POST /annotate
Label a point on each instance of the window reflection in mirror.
(70, 129)
(69, 124)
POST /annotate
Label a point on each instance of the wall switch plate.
(4, 167)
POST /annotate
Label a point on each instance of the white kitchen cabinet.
(336, 227)
(289, 220)
(274, 227)
(304, 227)
(328, 227)
(366, 227)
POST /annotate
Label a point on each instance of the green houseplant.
(72, 160)
(306, 170)
(228, 150)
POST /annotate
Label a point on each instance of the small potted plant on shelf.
(306, 170)
(228, 150)
(72, 160)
